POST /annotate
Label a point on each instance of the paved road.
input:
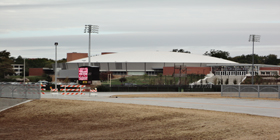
(253, 107)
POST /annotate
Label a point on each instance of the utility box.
(87, 74)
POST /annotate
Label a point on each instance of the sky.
(30, 28)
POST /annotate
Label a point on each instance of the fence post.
(39, 91)
(12, 91)
(239, 91)
(25, 91)
(278, 92)
(1, 91)
(221, 90)
(258, 91)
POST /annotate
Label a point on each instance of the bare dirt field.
(72, 119)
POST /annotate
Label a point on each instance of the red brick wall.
(36, 71)
(270, 68)
(190, 70)
(75, 56)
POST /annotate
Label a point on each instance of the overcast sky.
(30, 27)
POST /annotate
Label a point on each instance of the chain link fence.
(31, 91)
(253, 91)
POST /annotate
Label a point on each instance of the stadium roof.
(153, 57)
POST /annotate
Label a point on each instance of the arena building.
(167, 63)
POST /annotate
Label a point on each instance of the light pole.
(253, 38)
(56, 43)
(90, 29)
(24, 71)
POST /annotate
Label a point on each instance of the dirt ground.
(72, 119)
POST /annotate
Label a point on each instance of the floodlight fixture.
(90, 29)
(55, 69)
(253, 38)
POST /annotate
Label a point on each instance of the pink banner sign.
(83, 74)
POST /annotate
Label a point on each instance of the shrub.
(226, 82)
(235, 81)
(103, 88)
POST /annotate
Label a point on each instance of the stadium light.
(90, 29)
(253, 38)
(56, 43)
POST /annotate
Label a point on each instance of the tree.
(227, 81)
(180, 50)
(235, 81)
(218, 54)
(19, 60)
(5, 64)
(123, 79)
(63, 60)
(271, 59)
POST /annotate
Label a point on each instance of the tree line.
(270, 59)
(6, 60)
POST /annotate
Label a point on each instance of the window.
(118, 66)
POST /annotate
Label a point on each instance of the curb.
(15, 105)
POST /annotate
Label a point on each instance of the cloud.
(198, 26)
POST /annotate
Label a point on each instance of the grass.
(152, 80)
(71, 119)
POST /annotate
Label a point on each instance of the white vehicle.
(43, 82)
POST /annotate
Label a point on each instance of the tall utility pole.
(55, 67)
(253, 38)
(90, 29)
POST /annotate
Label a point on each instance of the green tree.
(227, 81)
(235, 81)
(218, 54)
(271, 59)
(63, 60)
(180, 50)
(5, 64)
(19, 60)
(123, 79)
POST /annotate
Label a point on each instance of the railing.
(254, 91)
(231, 72)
